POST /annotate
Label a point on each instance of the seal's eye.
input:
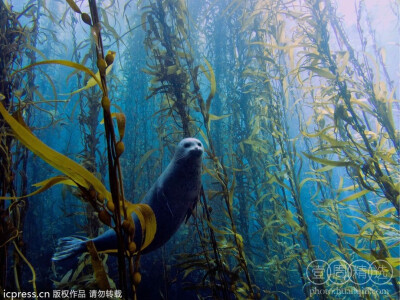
(199, 144)
(186, 145)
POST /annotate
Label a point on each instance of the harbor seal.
(172, 198)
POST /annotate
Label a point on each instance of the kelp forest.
(298, 111)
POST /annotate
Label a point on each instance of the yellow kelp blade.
(81, 176)
(216, 118)
(143, 160)
(390, 261)
(68, 64)
(91, 82)
(45, 185)
(100, 273)
(290, 219)
(150, 223)
(147, 221)
(96, 79)
(121, 122)
(329, 162)
(211, 78)
(354, 196)
(393, 261)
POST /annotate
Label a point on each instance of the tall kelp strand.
(91, 189)
(294, 104)
(357, 147)
(173, 75)
(13, 45)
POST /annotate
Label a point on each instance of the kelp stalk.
(323, 48)
(33, 280)
(175, 71)
(114, 168)
(12, 41)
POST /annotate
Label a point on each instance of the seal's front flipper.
(69, 247)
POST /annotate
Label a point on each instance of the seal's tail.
(68, 247)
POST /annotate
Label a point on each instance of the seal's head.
(189, 149)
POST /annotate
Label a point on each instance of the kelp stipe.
(270, 145)
(274, 99)
(173, 74)
(171, 77)
(91, 189)
(12, 217)
(355, 144)
(88, 122)
(116, 204)
(114, 168)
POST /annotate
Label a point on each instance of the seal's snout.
(196, 151)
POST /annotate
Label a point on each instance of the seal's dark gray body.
(172, 198)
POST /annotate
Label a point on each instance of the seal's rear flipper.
(69, 246)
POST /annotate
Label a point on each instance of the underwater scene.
(199, 149)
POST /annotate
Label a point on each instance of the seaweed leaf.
(366, 256)
(94, 80)
(108, 26)
(316, 134)
(144, 158)
(329, 162)
(215, 118)
(321, 72)
(290, 219)
(45, 185)
(375, 260)
(67, 63)
(81, 176)
(33, 280)
(147, 221)
(98, 268)
(354, 196)
(211, 78)
(305, 180)
(393, 261)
